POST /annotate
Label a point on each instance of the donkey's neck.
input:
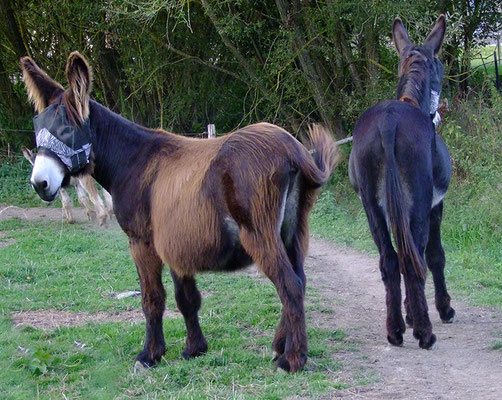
(122, 148)
(415, 89)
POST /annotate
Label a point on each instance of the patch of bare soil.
(52, 319)
(5, 241)
(48, 214)
(463, 367)
(34, 213)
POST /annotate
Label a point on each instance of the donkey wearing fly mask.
(196, 205)
(401, 169)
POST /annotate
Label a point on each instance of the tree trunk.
(291, 15)
(245, 65)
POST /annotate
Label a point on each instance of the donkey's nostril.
(40, 186)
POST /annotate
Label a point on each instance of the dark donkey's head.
(62, 124)
(420, 72)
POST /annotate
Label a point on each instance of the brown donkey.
(196, 205)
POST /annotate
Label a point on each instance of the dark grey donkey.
(401, 169)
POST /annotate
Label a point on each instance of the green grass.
(472, 223)
(15, 185)
(76, 268)
(483, 61)
(497, 345)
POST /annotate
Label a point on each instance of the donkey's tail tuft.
(317, 166)
(396, 208)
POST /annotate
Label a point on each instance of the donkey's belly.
(232, 255)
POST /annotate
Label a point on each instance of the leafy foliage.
(183, 64)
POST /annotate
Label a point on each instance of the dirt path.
(39, 213)
(463, 366)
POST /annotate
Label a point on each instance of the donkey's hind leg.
(415, 285)
(434, 255)
(295, 236)
(188, 299)
(271, 256)
(153, 295)
(389, 270)
(296, 257)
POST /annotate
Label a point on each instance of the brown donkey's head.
(62, 124)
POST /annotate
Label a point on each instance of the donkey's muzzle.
(42, 189)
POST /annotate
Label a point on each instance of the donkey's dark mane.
(413, 84)
(122, 142)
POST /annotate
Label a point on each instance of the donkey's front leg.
(67, 203)
(82, 199)
(89, 186)
(188, 299)
(153, 295)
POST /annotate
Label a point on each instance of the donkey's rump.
(202, 201)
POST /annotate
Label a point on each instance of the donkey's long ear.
(41, 88)
(28, 154)
(400, 35)
(79, 77)
(435, 38)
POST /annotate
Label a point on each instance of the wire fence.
(489, 64)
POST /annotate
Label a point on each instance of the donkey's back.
(421, 155)
(203, 200)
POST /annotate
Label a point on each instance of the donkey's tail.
(397, 211)
(317, 166)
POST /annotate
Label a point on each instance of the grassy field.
(483, 61)
(55, 266)
(15, 188)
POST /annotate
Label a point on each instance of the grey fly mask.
(70, 143)
(436, 84)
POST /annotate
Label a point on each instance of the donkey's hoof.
(146, 360)
(450, 317)
(103, 221)
(428, 344)
(194, 351)
(91, 216)
(396, 339)
(283, 364)
(140, 368)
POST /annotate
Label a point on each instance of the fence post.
(497, 78)
(211, 131)
(498, 45)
